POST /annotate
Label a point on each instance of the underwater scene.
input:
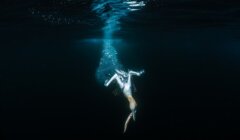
(76, 69)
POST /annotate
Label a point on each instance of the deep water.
(190, 89)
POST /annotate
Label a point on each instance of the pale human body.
(124, 81)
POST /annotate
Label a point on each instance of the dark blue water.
(190, 90)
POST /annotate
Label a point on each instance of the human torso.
(127, 89)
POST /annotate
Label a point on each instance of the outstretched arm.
(130, 73)
(135, 73)
(114, 77)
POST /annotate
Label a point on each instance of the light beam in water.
(111, 11)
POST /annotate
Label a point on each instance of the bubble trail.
(111, 11)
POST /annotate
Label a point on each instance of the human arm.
(114, 77)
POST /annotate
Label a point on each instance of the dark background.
(188, 48)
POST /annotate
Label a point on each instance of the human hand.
(141, 72)
(106, 83)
